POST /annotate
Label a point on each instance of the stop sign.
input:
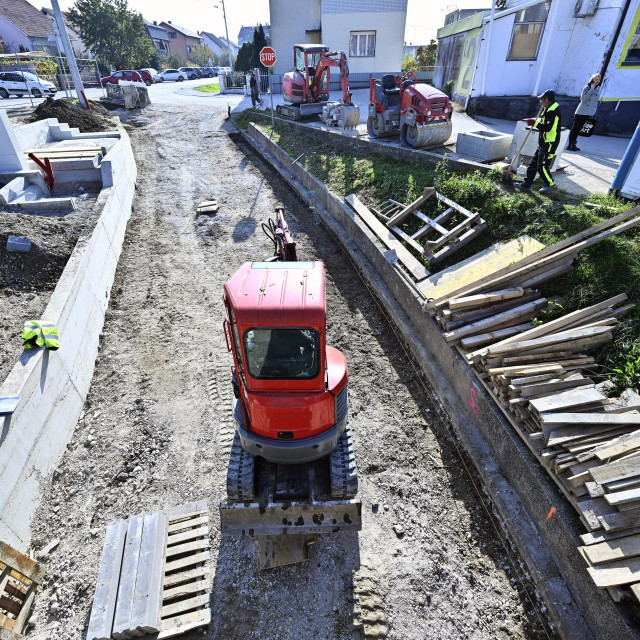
(267, 56)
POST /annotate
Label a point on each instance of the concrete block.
(35, 134)
(18, 245)
(484, 145)
(12, 190)
(11, 156)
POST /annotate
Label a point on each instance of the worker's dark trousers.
(541, 163)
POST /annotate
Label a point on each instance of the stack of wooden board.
(152, 577)
(20, 577)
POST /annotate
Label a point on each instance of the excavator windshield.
(282, 354)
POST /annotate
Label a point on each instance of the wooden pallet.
(439, 242)
(19, 580)
(153, 577)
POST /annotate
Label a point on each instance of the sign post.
(268, 59)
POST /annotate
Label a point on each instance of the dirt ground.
(428, 563)
(27, 280)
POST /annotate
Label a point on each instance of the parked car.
(208, 72)
(21, 83)
(128, 75)
(173, 74)
(190, 72)
(152, 72)
(224, 70)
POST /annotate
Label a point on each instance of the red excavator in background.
(292, 467)
(418, 111)
(306, 88)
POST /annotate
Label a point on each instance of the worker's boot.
(547, 188)
(522, 186)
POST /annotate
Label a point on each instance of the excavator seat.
(389, 85)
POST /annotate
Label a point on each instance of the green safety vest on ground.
(40, 333)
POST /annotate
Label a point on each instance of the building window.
(362, 43)
(631, 57)
(173, 35)
(527, 32)
(188, 48)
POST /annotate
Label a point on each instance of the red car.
(129, 76)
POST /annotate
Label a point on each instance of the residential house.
(159, 36)
(540, 44)
(217, 45)
(246, 34)
(371, 32)
(79, 48)
(181, 40)
(22, 25)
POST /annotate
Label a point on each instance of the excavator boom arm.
(332, 59)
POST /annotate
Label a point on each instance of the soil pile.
(95, 119)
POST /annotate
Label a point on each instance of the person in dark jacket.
(255, 89)
(548, 125)
(586, 109)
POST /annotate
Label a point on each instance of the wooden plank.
(147, 598)
(456, 243)
(401, 215)
(518, 371)
(185, 590)
(621, 497)
(603, 536)
(554, 326)
(475, 341)
(187, 547)
(408, 239)
(182, 563)
(185, 576)
(485, 298)
(631, 417)
(567, 398)
(104, 600)
(183, 606)
(616, 573)
(431, 225)
(181, 624)
(25, 612)
(620, 521)
(21, 563)
(554, 252)
(449, 235)
(573, 433)
(128, 573)
(489, 261)
(190, 534)
(9, 624)
(12, 606)
(482, 325)
(184, 524)
(536, 390)
(623, 444)
(412, 264)
(635, 590)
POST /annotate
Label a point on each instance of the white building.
(79, 48)
(371, 32)
(218, 45)
(24, 28)
(535, 45)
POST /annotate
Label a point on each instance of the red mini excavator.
(292, 467)
(306, 88)
(419, 112)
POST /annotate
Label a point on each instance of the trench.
(432, 560)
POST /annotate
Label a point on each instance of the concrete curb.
(352, 144)
(53, 385)
(521, 491)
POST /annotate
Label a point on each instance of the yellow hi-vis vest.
(40, 333)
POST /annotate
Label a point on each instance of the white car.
(173, 74)
(21, 83)
(154, 74)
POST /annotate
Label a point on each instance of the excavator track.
(240, 473)
(343, 469)
(289, 111)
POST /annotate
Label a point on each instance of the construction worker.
(548, 125)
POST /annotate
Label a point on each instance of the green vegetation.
(213, 87)
(249, 54)
(409, 63)
(201, 54)
(115, 34)
(607, 268)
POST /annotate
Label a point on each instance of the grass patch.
(607, 268)
(213, 87)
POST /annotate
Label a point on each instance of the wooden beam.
(485, 298)
(400, 216)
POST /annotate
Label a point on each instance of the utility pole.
(71, 59)
(224, 13)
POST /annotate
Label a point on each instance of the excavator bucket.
(344, 116)
(427, 135)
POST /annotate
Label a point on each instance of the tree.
(113, 32)
(408, 63)
(201, 54)
(223, 59)
(245, 55)
(259, 41)
(426, 56)
(170, 61)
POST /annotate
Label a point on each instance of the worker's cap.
(549, 93)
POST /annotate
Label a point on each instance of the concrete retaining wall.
(53, 385)
(519, 488)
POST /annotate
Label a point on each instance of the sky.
(424, 17)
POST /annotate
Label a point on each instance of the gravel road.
(428, 563)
